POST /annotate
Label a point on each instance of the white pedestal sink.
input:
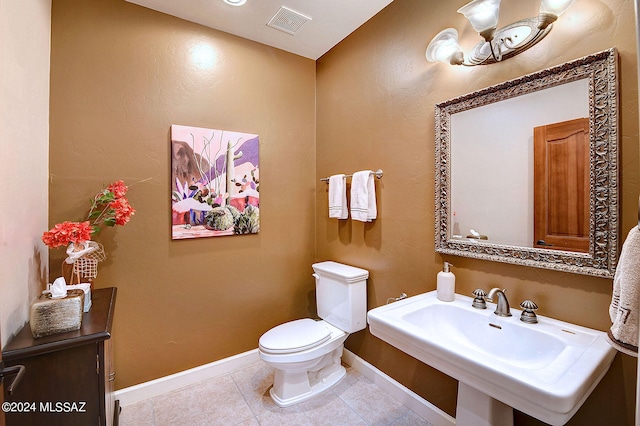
(546, 370)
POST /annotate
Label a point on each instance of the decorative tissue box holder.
(86, 288)
(52, 316)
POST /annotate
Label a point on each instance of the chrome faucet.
(503, 309)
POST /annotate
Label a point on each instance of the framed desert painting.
(215, 178)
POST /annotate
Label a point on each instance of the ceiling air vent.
(288, 20)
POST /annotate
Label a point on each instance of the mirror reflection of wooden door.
(561, 186)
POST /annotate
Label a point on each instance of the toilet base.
(294, 386)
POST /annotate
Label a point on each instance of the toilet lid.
(294, 336)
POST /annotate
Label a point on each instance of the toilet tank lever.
(316, 276)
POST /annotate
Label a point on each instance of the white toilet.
(306, 353)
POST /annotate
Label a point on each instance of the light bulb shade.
(483, 14)
(445, 48)
(555, 7)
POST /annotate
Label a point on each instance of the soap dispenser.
(446, 284)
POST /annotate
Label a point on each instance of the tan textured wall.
(120, 76)
(375, 109)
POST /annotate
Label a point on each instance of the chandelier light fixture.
(500, 43)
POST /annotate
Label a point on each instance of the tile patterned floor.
(242, 398)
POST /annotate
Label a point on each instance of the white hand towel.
(363, 196)
(338, 197)
(623, 334)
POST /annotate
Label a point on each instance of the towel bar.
(377, 173)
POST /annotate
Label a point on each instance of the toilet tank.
(341, 295)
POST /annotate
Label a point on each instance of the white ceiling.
(331, 20)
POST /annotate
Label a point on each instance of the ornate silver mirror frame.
(601, 71)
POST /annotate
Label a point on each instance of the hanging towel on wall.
(363, 196)
(623, 334)
(338, 197)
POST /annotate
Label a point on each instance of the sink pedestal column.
(475, 408)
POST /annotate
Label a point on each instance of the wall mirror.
(496, 188)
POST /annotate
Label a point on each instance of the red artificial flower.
(118, 188)
(67, 232)
(122, 210)
(109, 207)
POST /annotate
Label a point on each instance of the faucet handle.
(528, 315)
(479, 302)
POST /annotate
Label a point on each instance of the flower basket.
(84, 258)
(109, 207)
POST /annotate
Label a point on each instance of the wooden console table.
(69, 376)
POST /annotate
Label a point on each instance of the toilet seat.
(294, 336)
